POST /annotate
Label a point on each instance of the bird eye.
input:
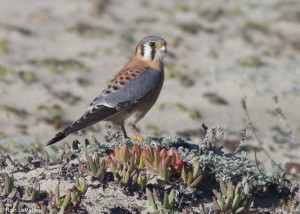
(152, 44)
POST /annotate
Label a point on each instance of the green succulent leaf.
(59, 201)
(163, 153)
(246, 189)
(236, 201)
(126, 178)
(222, 204)
(171, 199)
(65, 203)
(215, 192)
(142, 181)
(91, 164)
(163, 170)
(157, 159)
(149, 166)
(150, 199)
(228, 203)
(223, 187)
(74, 196)
(230, 189)
(216, 204)
(197, 181)
(166, 201)
(239, 210)
(195, 168)
(141, 162)
(190, 179)
(8, 184)
(219, 197)
(35, 191)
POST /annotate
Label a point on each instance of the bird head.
(151, 48)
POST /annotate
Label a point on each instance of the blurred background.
(56, 56)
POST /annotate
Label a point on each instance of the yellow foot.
(137, 135)
(137, 138)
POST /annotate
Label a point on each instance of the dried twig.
(243, 137)
(250, 124)
(248, 120)
(256, 162)
(282, 119)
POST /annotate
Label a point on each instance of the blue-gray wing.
(130, 93)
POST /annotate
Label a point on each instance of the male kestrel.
(130, 94)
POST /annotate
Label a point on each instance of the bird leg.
(137, 134)
(124, 131)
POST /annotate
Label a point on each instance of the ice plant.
(75, 196)
(58, 202)
(95, 167)
(232, 199)
(31, 193)
(165, 163)
(157, 200)
(126, 165)
(191, 177)
(8, 185)
(81, 186)
(142, 181)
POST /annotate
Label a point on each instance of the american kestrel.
(130, 94)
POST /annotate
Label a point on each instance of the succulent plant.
(166, 163)
(160, 202)
(126, 165)
(32, 193)
(95, 167)
(142, 180)
(65, 202)
(81, 186)
(75, 196)
(232, 199)
(192, 177)
(8, 185)
(59, 204)
(58, 200)
(129, 164)
(127, 174)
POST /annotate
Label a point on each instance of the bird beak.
(162, 48)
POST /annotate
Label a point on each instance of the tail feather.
(89, 118)
(59, 136)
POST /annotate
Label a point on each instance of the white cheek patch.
(147, 52)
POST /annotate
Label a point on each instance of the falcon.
(130, 94)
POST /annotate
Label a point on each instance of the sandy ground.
(56, 56)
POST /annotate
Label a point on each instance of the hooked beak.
(162, 48)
